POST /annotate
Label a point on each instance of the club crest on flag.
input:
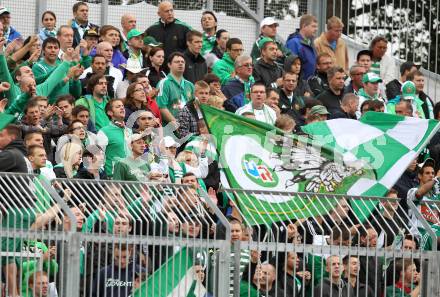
(258, 171)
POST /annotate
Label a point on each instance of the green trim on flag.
(175, 277)
(339, 156)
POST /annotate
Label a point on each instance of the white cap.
(135, 137)
(4, 10)
(134, 66)
(267, 22)
(168, 141)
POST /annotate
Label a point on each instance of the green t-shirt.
(115, 140)
(173, 95)
(130, 169)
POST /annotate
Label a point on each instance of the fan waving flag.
(176, 277)
(339, 156)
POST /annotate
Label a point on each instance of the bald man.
(168, 30)
(128, 22)
(114, 75)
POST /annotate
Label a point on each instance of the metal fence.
(352, 246)
(90, 238)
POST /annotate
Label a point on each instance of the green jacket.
(223, 68)
(96, 110)
(129, 169)
(42, 70)
(18, 99)
(115, 140)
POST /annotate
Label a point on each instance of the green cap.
(149, 40)
(371, 77)
(133, 33)
(263, 41)
(319, 109)
(409, 90)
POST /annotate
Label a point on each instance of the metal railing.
(106, 238)
(369, 238)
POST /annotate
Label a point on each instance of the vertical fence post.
(318, 8)
(104, 12)
(71, 259)
(41, 6)
(210, 5)
(260, 13)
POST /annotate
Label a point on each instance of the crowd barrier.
(108, 238)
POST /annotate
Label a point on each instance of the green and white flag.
(175, 278)
(340, 156)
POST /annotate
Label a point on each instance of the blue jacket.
(307, 53)
(13, 34)
(232, 88)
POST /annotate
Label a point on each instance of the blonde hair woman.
(70, 156)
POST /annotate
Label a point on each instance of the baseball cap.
(371, 77)
(134, 66)
(149, 40)
(319, 109)
(91, 33)
(135, 137)
(134, 33)
(408, 90)
(4, 10)
(267, 22)
(168, 141)
(263, 41)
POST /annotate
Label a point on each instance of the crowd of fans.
(123, 104)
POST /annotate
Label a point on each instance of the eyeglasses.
(249, 65)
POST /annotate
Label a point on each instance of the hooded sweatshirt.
(302, 85)
(12, 157)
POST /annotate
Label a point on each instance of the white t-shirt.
(266, 114)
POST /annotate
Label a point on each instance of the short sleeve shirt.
(174, 95)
